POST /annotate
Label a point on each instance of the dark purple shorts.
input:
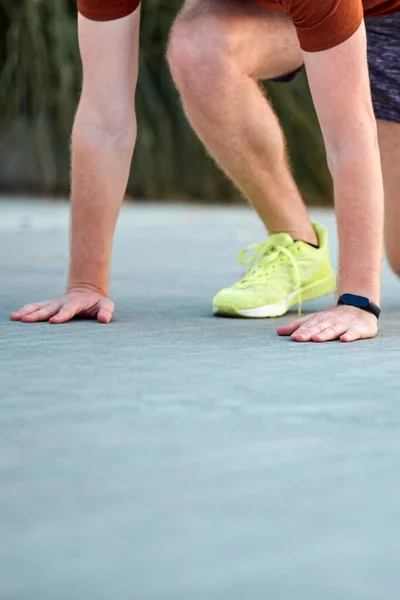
(383, 38)
(383, 35)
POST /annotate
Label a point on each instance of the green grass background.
(39, 87)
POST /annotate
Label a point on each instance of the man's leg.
(383, 35)
(218, 51)
(389, 145)
(102, 144)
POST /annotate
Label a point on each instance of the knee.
(200, 55)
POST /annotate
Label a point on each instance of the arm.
(339, 84)
(102, 144)
(340, 88)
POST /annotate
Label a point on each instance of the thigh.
(264, 42)
(389, 146)
(383, 36)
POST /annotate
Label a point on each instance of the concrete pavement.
(172, 455)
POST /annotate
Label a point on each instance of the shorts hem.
(384, 115)
(287, 77)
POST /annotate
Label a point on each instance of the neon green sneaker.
(281, 273)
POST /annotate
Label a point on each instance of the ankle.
(308, 236)
(316, 245)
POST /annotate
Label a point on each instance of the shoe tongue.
(281, 239)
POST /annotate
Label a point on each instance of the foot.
(282, 273)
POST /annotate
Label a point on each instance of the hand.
(346, 323)
(79, 301)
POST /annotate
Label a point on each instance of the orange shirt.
(323, 24)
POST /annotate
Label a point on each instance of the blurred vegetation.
(39, 87)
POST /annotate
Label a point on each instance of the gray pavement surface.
(176, 456)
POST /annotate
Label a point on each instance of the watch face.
(358, 301)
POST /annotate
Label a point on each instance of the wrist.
(85, 286)
(93, 279)
(367, 290)
(360, 303)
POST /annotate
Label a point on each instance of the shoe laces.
(260, 257)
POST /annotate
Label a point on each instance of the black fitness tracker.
(360, 302)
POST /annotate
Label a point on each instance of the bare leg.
(218, 51)
(389, 145)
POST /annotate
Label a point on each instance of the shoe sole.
(312, 292)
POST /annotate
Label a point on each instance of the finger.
(292, 326)
(330, 333)
(352, 334)
(106, 309)
(43, 314)
(314, 325)
(26, 310)
(66, 313)
(306, 332)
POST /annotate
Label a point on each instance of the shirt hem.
(118, 12)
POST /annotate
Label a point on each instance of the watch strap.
(360, 302)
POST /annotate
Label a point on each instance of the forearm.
(359, 203)
(100, 169)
